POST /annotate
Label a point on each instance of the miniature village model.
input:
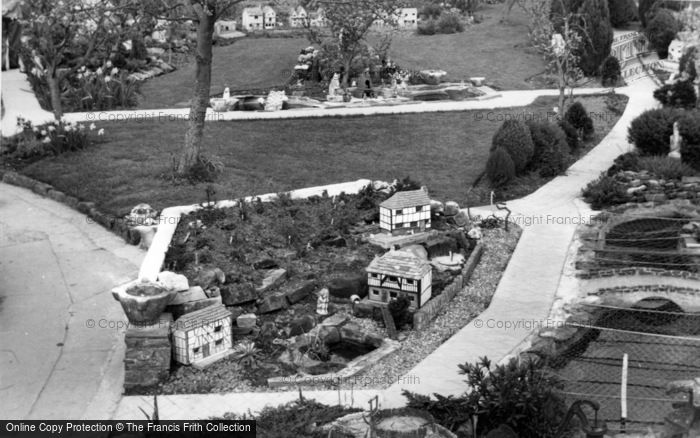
(203, 335)
(397, 274)
(405, 212)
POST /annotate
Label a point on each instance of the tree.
(661, 30)
(622, 12)
(596, 22)
(63, 36)
(349, 23)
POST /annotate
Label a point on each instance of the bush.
(651, 130)
(514, 137)
(604, 192)
(551, 149)
(610, 71)
(680, 94)
(600, 33)
(53, 138)
(427, 27)
(449, 23)
(622, 12)
(661, 30)
(578, 117)
(689, 128)
(430, 11)
(500, 169)
(399, 311)
(686, 65)
(571, 133)
(690, 154)
(664, 167)
(627, 161)
(644, 9)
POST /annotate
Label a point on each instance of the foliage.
(427, 27)
(686, 65)
(520, 394)
(690, 154)
(680, 94)
(651, 130)
(626, 161)
(551, 148)
(449, 23)
(571, 134)
(578, 117)
(665, 167)
(514, 137)
(599, 35)
(622, 12)
(661, 30)
(604, 192)
(407, 184)
(430, 11)
(689, 21)
(205, 169)
(689, 127)
(610, 71)
(400, 312)
(53, 138)
(500, 169)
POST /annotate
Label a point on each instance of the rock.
(209, 277)
(301, 325)
(241, 331)
(191, 306)
(461, 219)
(266, 264)
(451, 208)
(236, 311)
(247, 320)
(636, 182)
(462, 241)
(656, 197)
(144, 302)
(417, 251)
(272, 302)
(336, 242)
(440, 246)
(329, 334)
(301, 292)
(269, 329)
(436, 207)
(237, 294)
(194, 293)
(653, 183)
(273, 279)
(363, 310)
(213, 292)
(335, 320)
(173, 281)
(348, 285)
(633, 190)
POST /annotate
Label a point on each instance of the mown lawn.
(445, 151)
(494, 50)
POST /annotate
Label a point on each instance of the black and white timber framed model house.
(405, 212)
(397, 274)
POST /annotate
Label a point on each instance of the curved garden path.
(524, 294)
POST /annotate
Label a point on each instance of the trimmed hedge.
(680, 94)
(661, 30)
(551, 148)
(500, 169)
(571, 135)
(604, 192)
(514, 137)
(610, 71)
(622, 12)
(579, 119)
(651, 130)
(689, 128)
(687, 63)
(600, 35)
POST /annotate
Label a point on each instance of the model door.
(205, 350)
(385, 296)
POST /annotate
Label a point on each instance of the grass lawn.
(445, 151)
(497, 51)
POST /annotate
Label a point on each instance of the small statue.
(322, 304)
(675, 141)
(227, 93)
(335, 85)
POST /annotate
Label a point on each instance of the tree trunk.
(200, 101)
(55, 90)
(346, 73)
(562, 90)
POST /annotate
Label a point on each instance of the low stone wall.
(423, 316)
(606, 273)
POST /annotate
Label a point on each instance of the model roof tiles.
(202, 317)
(399, 264)
(407, 199)
(253, 10)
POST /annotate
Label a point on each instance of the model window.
(217, 328)
(219, 341)
(392, 278)
(399, 212)
(196, 350)
(393, 294)
(419, 208)
(412, 298)
(409, 281)
(414, 224)
(375, 292)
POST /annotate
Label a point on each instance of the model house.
(408, 17)
(298, 17)
(405, 212)
(318, 18)
(252, 18)
(222, 27)
(269, 17)
(202, 334)
(398, 274)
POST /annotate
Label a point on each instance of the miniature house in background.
(405, 212)
(397, 274)
(203, 335)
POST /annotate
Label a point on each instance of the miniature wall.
(605, 273)
(423, 316)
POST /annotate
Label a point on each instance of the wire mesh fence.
(662, 346)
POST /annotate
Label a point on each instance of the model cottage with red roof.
(397, 274)
(405, 212)
(202, 336)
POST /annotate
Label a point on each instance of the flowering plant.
(53, 138)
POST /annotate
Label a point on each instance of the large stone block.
(299, 293)
(272, 303)
(238, 294)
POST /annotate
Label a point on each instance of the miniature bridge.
(627, 287)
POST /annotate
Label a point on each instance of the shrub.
(644, 9)
(427, 27)
(449, 23)
(686, 65)
(407, 184)
(577, 116)
(600, 35)
(551, 148)
(514, 137)
(399, 311)
(500, 169)
(610, 71)
(571, 133)
(604, 192)
(651, 130)
(690, 154)
(53, 138)
(680, 94)
(627, 161)
(689, 128)
(664, 167)
(622, 12)
(431, 11)
(661, 30)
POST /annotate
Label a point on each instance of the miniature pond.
(253, 252)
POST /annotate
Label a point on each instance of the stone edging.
(603, 273)
(423, 316)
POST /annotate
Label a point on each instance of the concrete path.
(19, 100)
(58, 321)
